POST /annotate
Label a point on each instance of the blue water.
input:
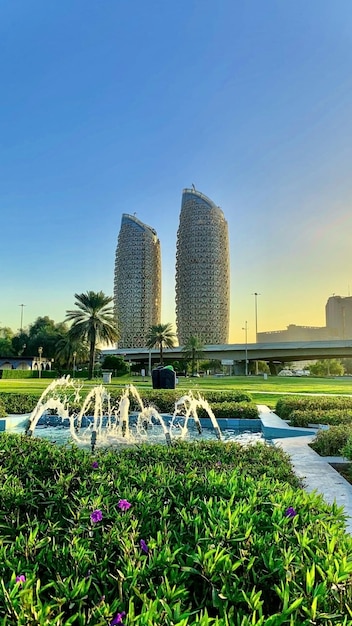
(61, 434)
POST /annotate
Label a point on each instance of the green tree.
(347, 363)
(69, 353)
(327, 367)
(93, 322)
(116, 364)
(20, 344)
(44, 332)
(193, 350)
(263, 367)
(180, 366)
(161, 336)
(6, 336)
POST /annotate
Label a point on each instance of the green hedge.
(347, 448)
(331, 442)
(18, 402)
(164, 399)
(327, 416)
(237, 410)
(83, 374)
(3, 411)
(20, 374)
(286, 405)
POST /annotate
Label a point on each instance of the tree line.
(91, 323)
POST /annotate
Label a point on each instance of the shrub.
(347, 449)
(332, 441)
(287, 404)
(164, 399)
(244, 410)
(327, 416)
(18, 402)
(219, 545)
(21, 374)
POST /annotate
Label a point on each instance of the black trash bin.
(164, 378)
(167, 378)
(156, 378)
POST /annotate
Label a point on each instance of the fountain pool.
(98, 421)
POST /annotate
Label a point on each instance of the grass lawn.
(263, 391)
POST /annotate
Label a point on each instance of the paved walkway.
(316, 471)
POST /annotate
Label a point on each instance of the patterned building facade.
(137, 283)
(202, 271)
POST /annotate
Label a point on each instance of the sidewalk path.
(317, 474)
(314, 470)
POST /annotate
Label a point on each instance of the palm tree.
(193, 350)
(93, 322)
(162, 336)
(69, 352)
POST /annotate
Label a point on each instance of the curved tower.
(202, 271)
(137, 284)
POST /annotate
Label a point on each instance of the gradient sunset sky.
(115, 106)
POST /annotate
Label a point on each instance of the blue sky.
(114, 106)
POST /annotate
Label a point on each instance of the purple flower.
(290, 512)
(124, 505)
(96, 516)
(144, 546)
(21, 579)
(95, 464)
(118, 619)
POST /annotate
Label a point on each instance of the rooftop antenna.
(193, 186)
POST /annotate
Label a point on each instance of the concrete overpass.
(272, 353)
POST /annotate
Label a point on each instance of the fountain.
(99, 423)
(190, 404)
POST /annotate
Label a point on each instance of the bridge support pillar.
(239, 368)
(273, 368)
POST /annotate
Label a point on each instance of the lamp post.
(74, 364)
(40, 352)
(256, 323)
(21, 329)
(245, 328)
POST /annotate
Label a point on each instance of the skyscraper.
(338, 313)
(202, 271)
(137, 284)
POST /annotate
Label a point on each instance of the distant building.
(202, 271)
(137, 283)
(296, 333)
(26, 363)
(338, 315)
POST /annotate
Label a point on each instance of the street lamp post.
(21, 305)
(40, 352)
(256, 324)
(246, 347)
(74, 364)
(150, 363)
